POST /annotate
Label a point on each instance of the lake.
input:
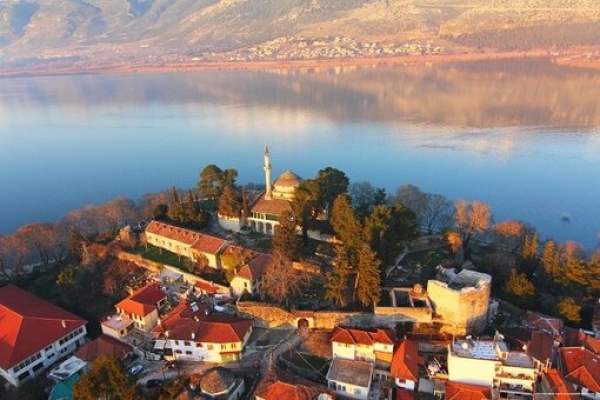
(521, 135)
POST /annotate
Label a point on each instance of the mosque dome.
(285, 185)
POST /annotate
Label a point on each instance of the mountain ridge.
(155, 31)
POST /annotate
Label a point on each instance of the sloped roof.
(29, 324)
(581, 367)
(273, 206)
(217, 380)
(198, 241)
(552, 326)
(283, 386)
(559, 385)
(255, 268)
(465, 391)
(406, 360)
(358, 373)
(362, 336)
(540, 346)
(592, 344)
(103, 346)
(143, 301)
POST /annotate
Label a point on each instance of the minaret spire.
(267, 167)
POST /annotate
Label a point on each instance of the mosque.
(266, 210)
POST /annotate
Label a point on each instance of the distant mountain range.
(157, 31)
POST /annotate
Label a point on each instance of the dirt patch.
(318, 344)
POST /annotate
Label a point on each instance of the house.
(553, 385)
(537, 344)
(350, 378)
(35, 334)
(280, 386)
(194, 245)
(104, 345)
(405, 365)
(581, 368)
(362, 344)
(141, 307)
(465, 391)
(490, 363)
(247, 278)
(221, 383)
(544, 323)
(190, 333)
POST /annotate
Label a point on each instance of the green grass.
(308, 361)
(164, 257)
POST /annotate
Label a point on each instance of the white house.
(350, 378)
(190, 333)
(141, 307)
(34, 334)
(490, 363)
(363, 344)
(405, 365)
(247, 278)
(185, 242)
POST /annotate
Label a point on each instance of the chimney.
(193, 335)
(64, 324)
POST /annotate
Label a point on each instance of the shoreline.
(202, 66)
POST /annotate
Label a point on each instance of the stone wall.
(140, 261)
(421, 315)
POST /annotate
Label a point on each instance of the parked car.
(136, 369)
(154, 383)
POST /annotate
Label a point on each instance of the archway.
(303, 325)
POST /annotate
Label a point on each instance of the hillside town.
(234, 311)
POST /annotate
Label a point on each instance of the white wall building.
(350, 378)
(35, 334)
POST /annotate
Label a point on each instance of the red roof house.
(33, 333)
(464, 391)
(581, 367)
(405, 365)
(103, 346)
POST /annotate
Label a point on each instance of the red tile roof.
(464, 391)
(592, 344)
(29, 324)
(274, 206)
(255, 268)
(540, 346)
(198, 241)
(103, 346)
(207, 287)
(182, 323)
(404, 394)
(559, 385)
(544, 323)
(581, 366)
(406, 360)
(292, 387)
(143, 301)
(362, 336)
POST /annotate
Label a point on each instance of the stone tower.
(267, 167)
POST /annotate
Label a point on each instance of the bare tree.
(281, 280)
(470, 219)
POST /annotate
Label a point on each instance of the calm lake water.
(523, 136)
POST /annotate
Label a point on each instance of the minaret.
(269, 193)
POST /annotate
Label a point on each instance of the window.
(188, 352)
(223, 346)
(233, 345)
(187, 344)
(198, 344)
(356, 391)
(209, 347)
(178, 351)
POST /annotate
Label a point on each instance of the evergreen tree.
(569, 309)
(208, 185)
(551, 260)
(337, 281)
(175, 211)
(346, 224)
(530, 248)
(285, 240)
(229, 205)
(245, 206)
(519, 289)
(190, 209)
(368, 282)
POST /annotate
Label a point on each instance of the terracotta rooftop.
(255, 268)
(358, 373)
(198, 241)
(540, 346)
(143, 301)
(217, 380)
(406, 360)
(581, 366)
(464, 391)
(550, 325)
(559, 385)
(103, 346)
(274, 206)
(29, 324)
(362, 336)
(283, 386)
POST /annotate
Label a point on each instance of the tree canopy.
(105, 380)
